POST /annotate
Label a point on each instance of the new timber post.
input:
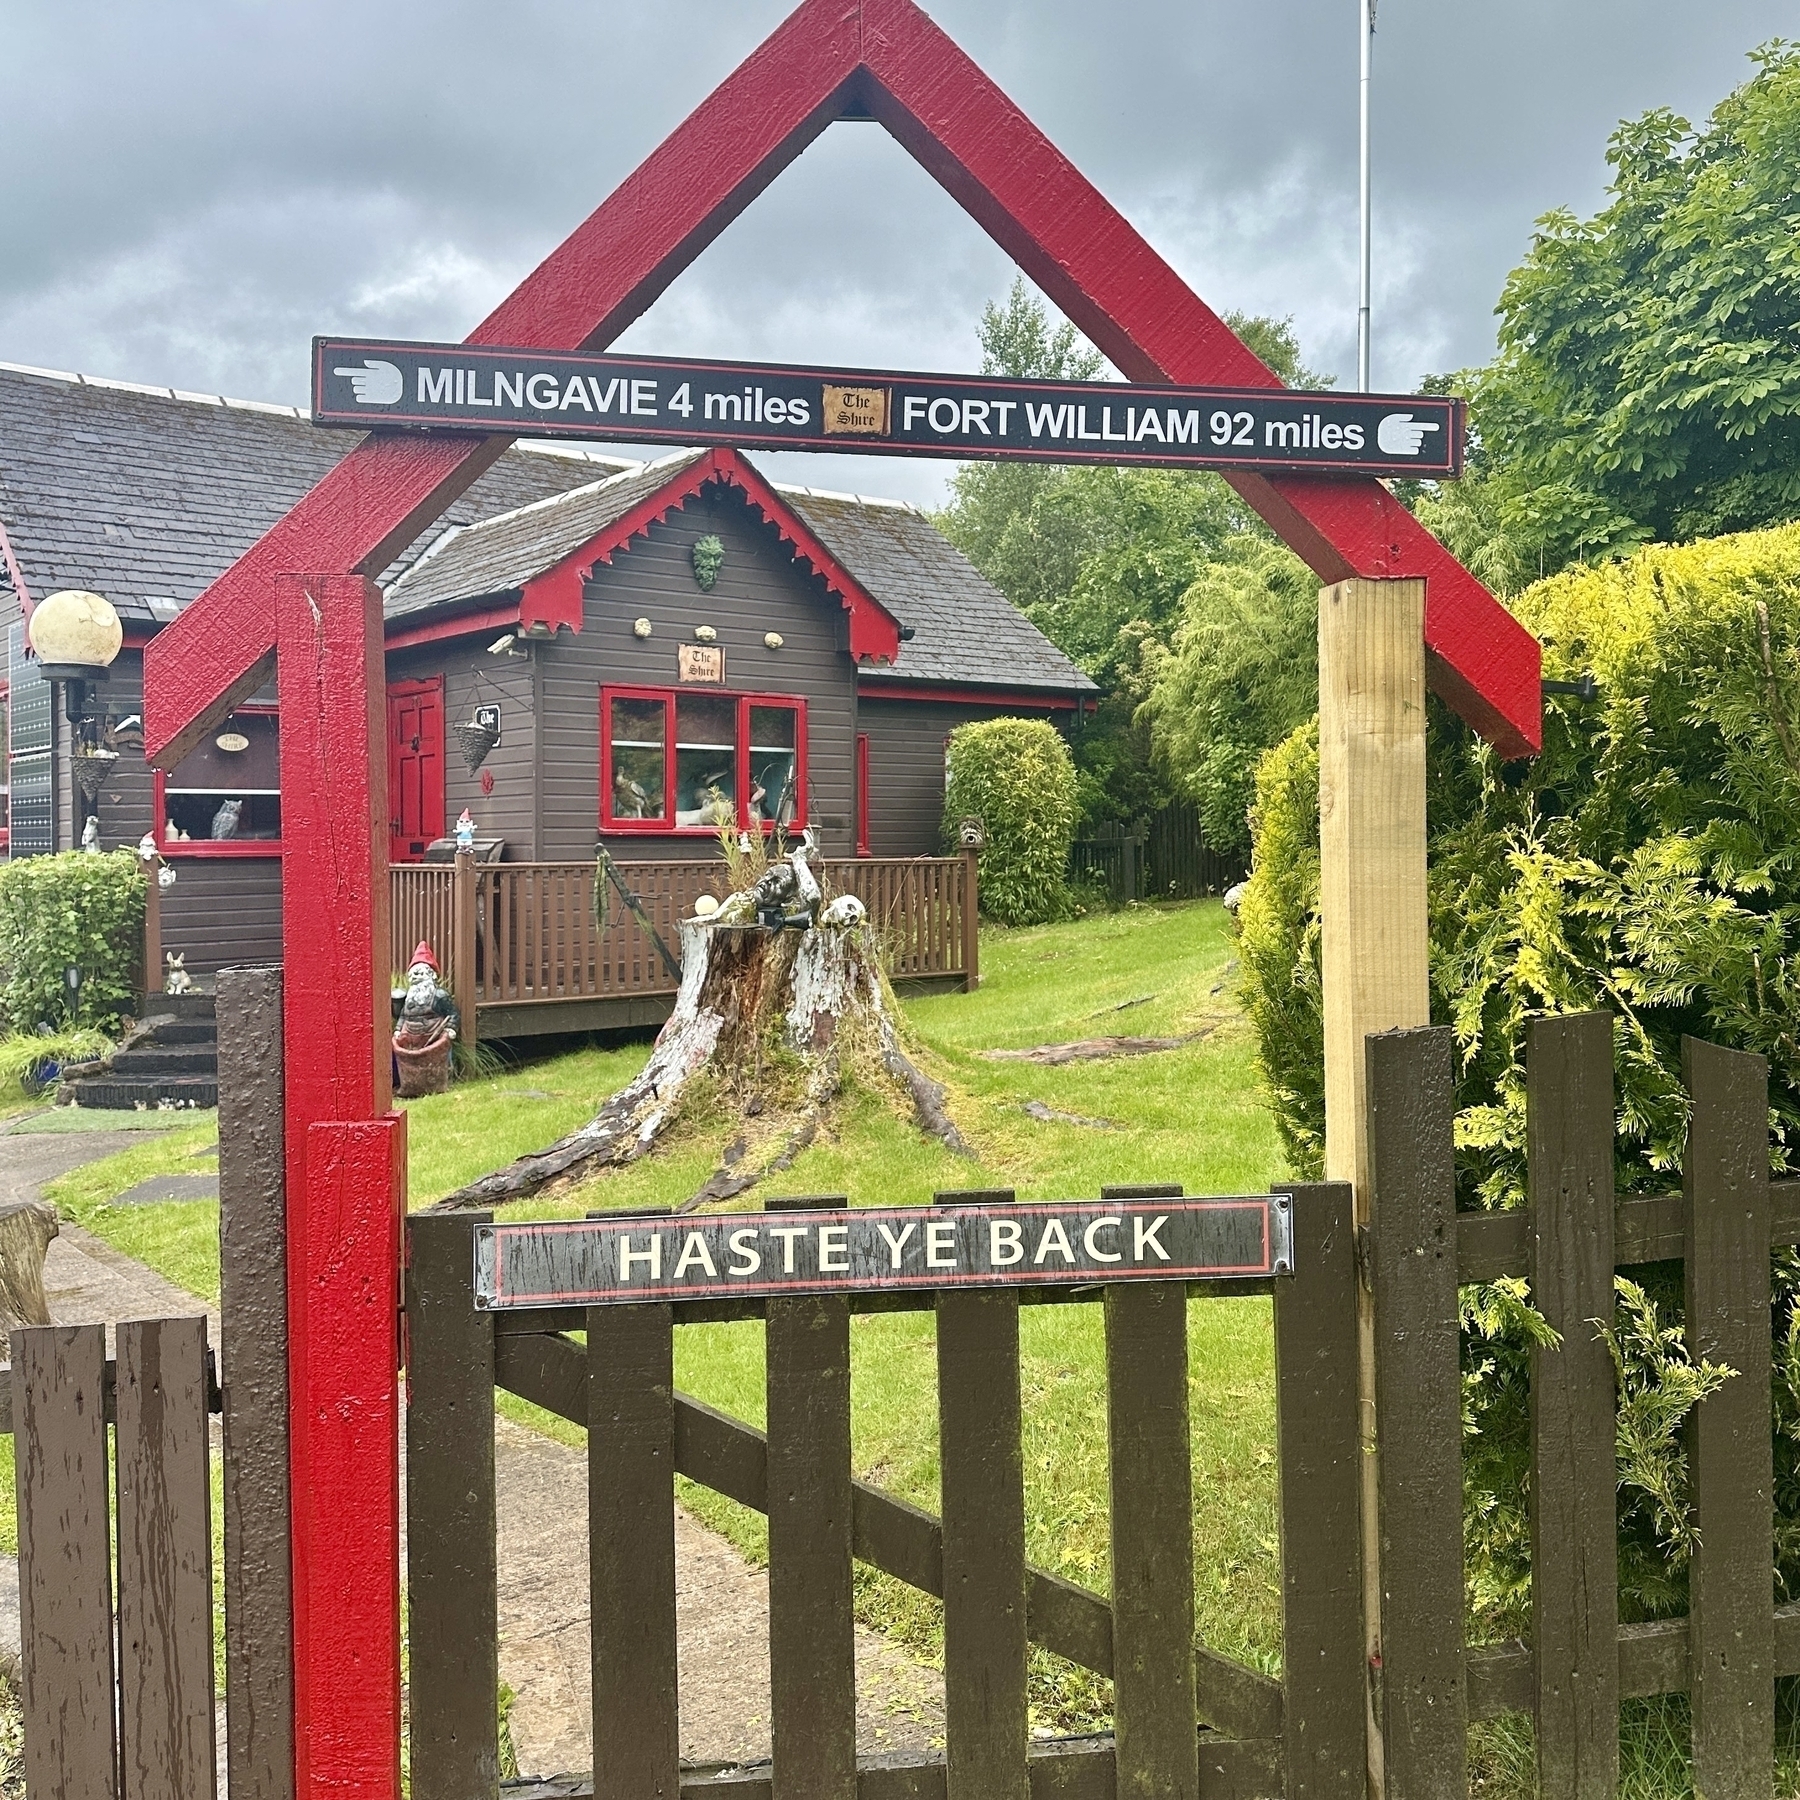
(1374, 941)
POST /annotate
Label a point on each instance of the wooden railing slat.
(1574, 1535)
(631, 1545)
(452, 1564)
(812, 1633)
(1730, 1628)
(65, 1562)
(983, 1482)
(1418, 1413)
(1152, 1505)
(1319, 1464)
(166, 1728)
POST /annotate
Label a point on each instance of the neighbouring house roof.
(146, 494)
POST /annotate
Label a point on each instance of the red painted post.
(346, 1187)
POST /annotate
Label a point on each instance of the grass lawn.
(1190, 1115)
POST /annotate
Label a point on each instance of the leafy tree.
(1243, 671)
(1099, 558)
(1648, 382)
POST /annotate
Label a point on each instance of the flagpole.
(1366, 11)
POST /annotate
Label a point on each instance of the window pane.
(638, 752)
(774, 771)
(705, 760)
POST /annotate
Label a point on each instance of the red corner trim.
(15, 575)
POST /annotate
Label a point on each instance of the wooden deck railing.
(525, 933)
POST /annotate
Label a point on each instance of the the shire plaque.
(1076, 1243)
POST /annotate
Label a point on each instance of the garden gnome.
(465, 833)
(427, 1029)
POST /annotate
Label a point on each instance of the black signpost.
(379, 384)
(884, 1249)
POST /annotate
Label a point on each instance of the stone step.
(192, 1005)
(160, 1059)
(166, 1028)
(109, 1094)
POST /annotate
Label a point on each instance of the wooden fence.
(118, 1656)
(1163, 857)
(526, 934)
(118, 1692)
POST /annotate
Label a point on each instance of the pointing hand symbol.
(1399, 434)
(381, 384)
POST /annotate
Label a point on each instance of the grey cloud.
(193, 189)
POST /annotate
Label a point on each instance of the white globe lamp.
(75, 635)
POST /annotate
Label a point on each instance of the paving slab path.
(722, 1602)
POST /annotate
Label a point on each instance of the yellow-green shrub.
(72, 910)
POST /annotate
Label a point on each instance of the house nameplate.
(700, 662)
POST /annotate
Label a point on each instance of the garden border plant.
(70, 911)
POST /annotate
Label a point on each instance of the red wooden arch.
(303, 587)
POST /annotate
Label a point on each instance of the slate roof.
(146, 494)
(965, 631)
(501, 554)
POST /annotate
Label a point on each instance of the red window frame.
(159, 817)
(862, 793)
(744, 701)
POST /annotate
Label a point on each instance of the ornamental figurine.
(465, 832)
(427, 1030)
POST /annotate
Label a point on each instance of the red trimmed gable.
(555, 597)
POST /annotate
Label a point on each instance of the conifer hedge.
(1018, 778)
(1647, 863)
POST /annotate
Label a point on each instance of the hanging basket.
(476, 739)
(93, 770)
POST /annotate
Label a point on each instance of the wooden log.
(1374, 943)
(452, 1570)
(253, 1333)
(1418, 1410)
(26, 1228)
(1574, 1535)
(1731, 1672)
(65, 1561)
(812, 1631)
(631, 1550)
(983, 1481)
(1324, 1676)
(166, 1726)
(1152, 1501)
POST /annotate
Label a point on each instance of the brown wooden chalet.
(584, 652)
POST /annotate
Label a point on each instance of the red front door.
(415, 767)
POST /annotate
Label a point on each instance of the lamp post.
(1366, 20)
(76, 637)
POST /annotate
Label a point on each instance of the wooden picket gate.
(1187, 1721)
(118, 1657)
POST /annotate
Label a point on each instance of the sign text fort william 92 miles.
(1067, 1243)
(762, 406)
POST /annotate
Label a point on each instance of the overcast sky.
(192, 189)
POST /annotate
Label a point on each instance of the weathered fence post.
(1574, 1465)
(1731, 1649)
(1423, 1708)
(166, 1727)
(812, 1631)
(462, 952)
(971, 921)
(152, 951)
(452, 1571)
(65, 1561)
(253, 1316)
(983, 1481)
(1150, 1469)
(1320, 1469)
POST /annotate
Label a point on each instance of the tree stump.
(26, 1228)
